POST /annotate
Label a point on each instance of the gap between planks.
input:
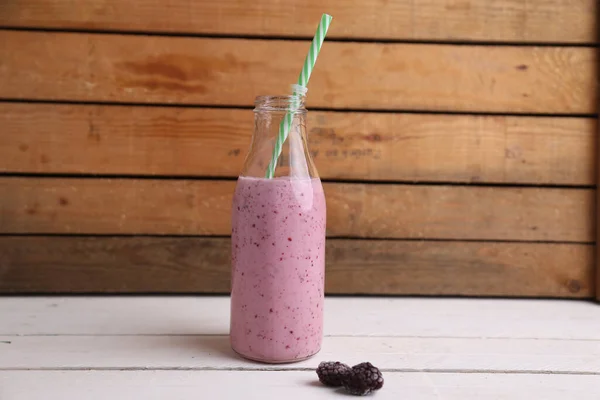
(209, 335)
(418, 354)
(300, 38)
(388, 370)
(339, 110)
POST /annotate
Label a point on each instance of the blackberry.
(364, 379)
(333, 373)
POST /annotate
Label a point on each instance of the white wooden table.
(177, 348)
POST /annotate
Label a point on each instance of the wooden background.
(461, 134)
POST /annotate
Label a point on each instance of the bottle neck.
(294, 160)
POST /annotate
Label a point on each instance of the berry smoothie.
(278, 268)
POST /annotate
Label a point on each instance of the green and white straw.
(309, 63)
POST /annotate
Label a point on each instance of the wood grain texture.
(176, 70)
(195, 207)
(564, 21)
(292, 385)
(202, 265)
(87, 139)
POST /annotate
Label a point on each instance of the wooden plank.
(292, 385)
(597, 221)
(497, 20)
(370, 316)
(481, 269)
(194, 207)
(187, 265)
(177, 70)
(214, 352)
(53, 138)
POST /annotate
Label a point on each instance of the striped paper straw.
(309, 64)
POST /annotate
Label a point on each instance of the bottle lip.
(285, 103)
(280, 103)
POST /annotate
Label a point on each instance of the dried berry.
(333, 373)
(363, 379)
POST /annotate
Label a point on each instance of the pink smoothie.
(278, 268)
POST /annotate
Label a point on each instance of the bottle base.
(266, 361)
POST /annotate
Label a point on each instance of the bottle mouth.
(294, 103)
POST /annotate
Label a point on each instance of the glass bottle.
(278, 243)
